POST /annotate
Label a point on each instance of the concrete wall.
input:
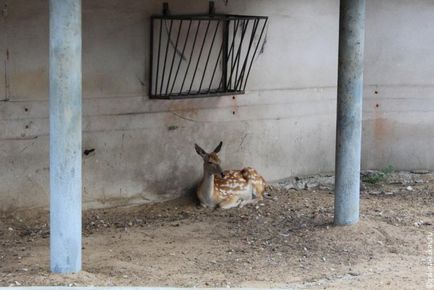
(284, 125)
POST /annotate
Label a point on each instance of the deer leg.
(230, 202)
(247, 202)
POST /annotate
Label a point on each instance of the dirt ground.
(288, 241)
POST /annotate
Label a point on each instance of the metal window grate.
(203, 55)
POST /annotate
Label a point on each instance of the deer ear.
(218, 148)
(200, 151)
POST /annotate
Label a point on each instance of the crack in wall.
(5, 11)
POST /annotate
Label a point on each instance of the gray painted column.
(65, 135)
(349, 112)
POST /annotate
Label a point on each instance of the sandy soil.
(288, 241)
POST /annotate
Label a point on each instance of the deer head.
(211, 161)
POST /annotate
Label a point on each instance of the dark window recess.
(202, 55)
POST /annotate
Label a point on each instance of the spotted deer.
(229, 188)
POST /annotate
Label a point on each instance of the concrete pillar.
(349, 112)
(65, 135)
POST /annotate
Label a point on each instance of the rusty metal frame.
(236, 50)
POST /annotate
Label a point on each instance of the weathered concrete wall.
(399, 92)
(285, 125)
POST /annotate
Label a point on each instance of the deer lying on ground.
(229, 188)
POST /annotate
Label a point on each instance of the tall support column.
(349, 111)
(65, 135)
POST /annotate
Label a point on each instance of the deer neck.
(207, 185)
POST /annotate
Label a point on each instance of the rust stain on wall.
(234, 105)
(381, 128)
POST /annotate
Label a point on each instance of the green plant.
(378, 176)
